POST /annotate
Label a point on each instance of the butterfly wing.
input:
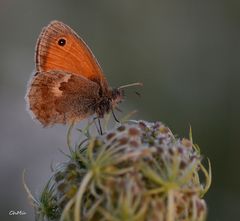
(61, 97)
(60, 48)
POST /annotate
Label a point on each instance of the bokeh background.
(186, 52)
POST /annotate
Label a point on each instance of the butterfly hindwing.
(60, 97)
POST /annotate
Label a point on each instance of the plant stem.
(77, 209)
(170, 206)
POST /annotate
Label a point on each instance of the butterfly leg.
(118, 109)
(114, 116)
(98, 127)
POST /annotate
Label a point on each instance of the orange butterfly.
(69, 84)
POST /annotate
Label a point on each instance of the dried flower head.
(138, 171)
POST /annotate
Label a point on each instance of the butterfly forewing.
(60, 48)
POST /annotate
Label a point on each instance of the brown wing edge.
(26, 98)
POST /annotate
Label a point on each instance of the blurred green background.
(187, 54)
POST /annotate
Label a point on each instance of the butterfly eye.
(61, 42)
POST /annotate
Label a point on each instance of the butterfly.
(68, 84)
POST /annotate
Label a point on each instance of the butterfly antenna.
(131, 85)
(114, 116)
